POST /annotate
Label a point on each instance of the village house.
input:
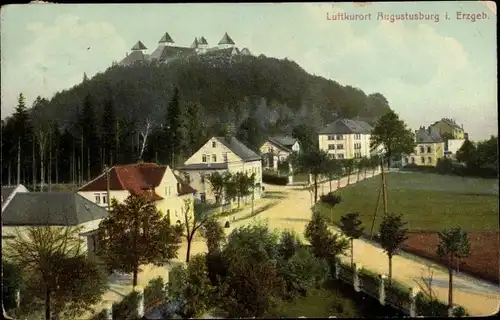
(428, 150)
(221, 154)
(53, 209)
(346, 139)
(276, 150)
(167, 50)
(159, 184)
(448, 128)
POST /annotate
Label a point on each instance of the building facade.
(428, 150)
(448, 128)
(278, 149)
(346, 139)
(221, 154)
(160, 184)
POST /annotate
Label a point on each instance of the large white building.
(221, 154)
(346, 139)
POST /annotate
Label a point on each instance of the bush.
(459, 312)
(155, 292)
(398, 292)
(331, 199)
(127, 308)
(273, 178)
(444, 166)
(100, 316)
(430, 308)
(11, 282)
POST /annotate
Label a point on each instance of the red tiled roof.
(137, 179)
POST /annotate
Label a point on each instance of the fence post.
(381, 288)
(355, 278)
(413, 301)
(337, 267)
(18, 297)
(140, 303)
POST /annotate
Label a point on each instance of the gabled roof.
(424, 136)
(166, 38)
(6, 192)
(226, 39)
(140, 179)
(138, 46)
(183, 186)
(51, 209)
(238, 148)
(134, 56)
(449, 122)
(347, 126)
(175, 52)
(283, 142)
(194, 44)
(203, 41)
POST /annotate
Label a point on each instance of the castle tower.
(202, 45)
(195, 45)
(166, 40)
(226, 42)
(139, 46)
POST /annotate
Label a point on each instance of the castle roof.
(195, 43)
(138, 46)
(203, 41)
(226, 39)
(134, 56)
(166, 38)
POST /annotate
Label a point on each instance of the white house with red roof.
(158, 183)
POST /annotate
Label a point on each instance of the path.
(294, 212)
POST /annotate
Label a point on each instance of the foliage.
(127, 308)
(216, 180)
(350, 224)
(331, 199)
(288, 244)
(393, 134)
(57, 270)
(444, 166)
(11, 283)
(193, 221)
(307, 137)
(137, 233)
(326, 244)
(468, 154)
(314, 162)
(155, 291)
(487, 153)
(214, 235)
(392, 235)
(430, 308)
(274, 178)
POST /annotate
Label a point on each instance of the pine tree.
(22, 135)
(109, 136)
(173, 127)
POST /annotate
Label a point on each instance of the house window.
(332, 156)
(422, 149)
(204, 158)
(428, 149)
(357, 146)
(340, 156)
(340, 146)
(429, 159)
(97, 198)
(214, 144)
(331, 137)
(224, 157)
(423, 159)
(412, 160)
(214, 158)
(168, 191)
(331, 147)
(340, 137)
(357, 136)
(105, 198)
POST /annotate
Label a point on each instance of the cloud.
(60, 53)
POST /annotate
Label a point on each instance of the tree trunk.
(390, 270)
(34, 165)
(18, 161)
(315, 188)
(49, 175)
(330, 184)
(47, 304)
(81, 162)
(352, 253)
(188, 250)
(88, 164)
(57, 168)
(42, 170)
(9, 181)
(136, 271)
(348, 175)
(450, 285)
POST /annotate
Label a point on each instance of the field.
(429, 203)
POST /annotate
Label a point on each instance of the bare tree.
(41, 128)
(145, 131)
(194, 219)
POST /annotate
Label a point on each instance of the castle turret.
(166, 40)
(195, 44)
(226, 42)
(139, 46)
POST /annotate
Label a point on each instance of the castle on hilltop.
(167, 50)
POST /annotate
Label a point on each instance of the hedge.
(11, 282)
(127, 308)
(155, 292)
(273, 178)
(399, 293)
(428, 308)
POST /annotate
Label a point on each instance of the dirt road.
(293, 212)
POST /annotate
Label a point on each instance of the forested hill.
(278, 92)
(121, 115)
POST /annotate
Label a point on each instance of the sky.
(427, 69)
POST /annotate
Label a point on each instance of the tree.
(374, 162)
(307, 137)
(109, 134)
(468, 154)
(195, 125)
(22, 133)
(193, 220)
(191, 287)
(392, 235)
(42, 130)
(392, 133)
(136, 233)
(325, 244)
(487, 153)
(314, 162)
(453, 245)
(216, 181)
(57, 269)
(350, 224)
(348, 165)
(230, 187)
(288, 245)
(214, 235)
(250, 133)
(334, 171)
(243, 185)
(360, 166)
(173, 125)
